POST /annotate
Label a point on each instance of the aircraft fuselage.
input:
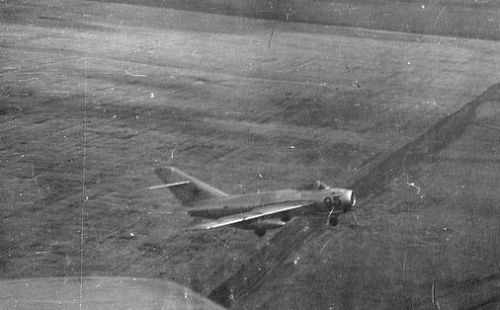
(259, 211)
(219, 207)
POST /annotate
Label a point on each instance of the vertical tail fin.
(186, 188)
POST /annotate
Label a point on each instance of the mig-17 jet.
(259, 211)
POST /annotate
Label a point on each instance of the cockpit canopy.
(314, 186)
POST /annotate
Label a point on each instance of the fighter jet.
(256, 211)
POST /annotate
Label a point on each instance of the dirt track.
(371, 181)
(95, 96)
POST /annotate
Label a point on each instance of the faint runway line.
(220, 242)
(82, 237)
(439, 15)
(192, 72)
(324, 246)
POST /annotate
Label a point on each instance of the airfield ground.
(94, 96)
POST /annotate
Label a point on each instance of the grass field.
(464, 18)
(96, 95)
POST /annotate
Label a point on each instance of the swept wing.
(256, 213)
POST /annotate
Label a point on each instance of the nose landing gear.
(333, 205)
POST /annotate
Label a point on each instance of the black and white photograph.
(250, 154)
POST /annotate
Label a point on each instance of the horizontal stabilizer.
(186, 188)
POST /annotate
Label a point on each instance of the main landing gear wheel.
(260, 232)
(333, 221)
